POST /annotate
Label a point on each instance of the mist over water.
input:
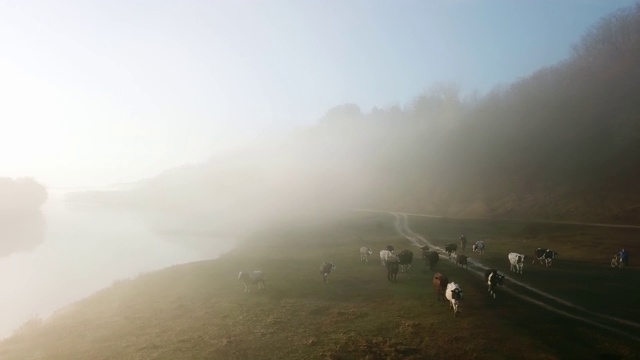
(83, 250)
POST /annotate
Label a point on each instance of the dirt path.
(527, 292)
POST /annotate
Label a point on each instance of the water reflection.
(21, 231)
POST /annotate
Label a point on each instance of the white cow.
(517, 262)
(254, 277)
(479, 247)
(385, 255)
(364, 253)
(454, 295)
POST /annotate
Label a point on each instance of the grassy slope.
(199, 310)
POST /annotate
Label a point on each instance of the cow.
(454, 295)
(364, 253)
(450, 248)
(462, 261)
(254, 277)
(492, 278)
(430, 258)
(517, 262)
(325, 270)
(463, 242)
(440, 285)
(384, 255)
(392, 269)
(405, 257)
(545, 256)
(479, 247)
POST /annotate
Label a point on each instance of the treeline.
(562, 143)
(21, 195)
(22, 225)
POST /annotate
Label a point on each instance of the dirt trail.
(535, 296)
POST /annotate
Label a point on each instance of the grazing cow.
(451, 248)
(392, 269)
(440, 284)
(384, 255)
(405, 257)
(454, 295)
(430, 258)
(493, 279)
(325, 270)
(462, 260)
(517, 262)
(545, 256)
(254, 277)
(479, 247)
(364, 253)
(463, 242)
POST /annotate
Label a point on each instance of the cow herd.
(401, 262)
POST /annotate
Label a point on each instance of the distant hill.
(562, 144)
(21, 223)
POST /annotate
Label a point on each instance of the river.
(82, 250)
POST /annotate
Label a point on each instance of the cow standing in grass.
(384, 256)
(392, 269)
(479, 247)
(517, 262)
(364, 253)
(430, 258)
(325, 270)
(545, 256)
(463, 242)
(440, 285)
(451, 248)
(454, 295)
(405, 257)
(249, 279)
(461, 260)
(493, 279)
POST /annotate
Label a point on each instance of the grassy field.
(200, 310)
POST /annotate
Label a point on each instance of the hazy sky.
(95, 92)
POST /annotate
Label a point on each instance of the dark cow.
(405, 257)
(325, 270)
(462, 260)
(545, 256)
(492, 278)
(440, 285)
(390, 248)
(451, 248)
(430, 258)
(392, 270)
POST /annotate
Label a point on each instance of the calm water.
(82, 250)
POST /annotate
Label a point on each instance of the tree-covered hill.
(561, 143)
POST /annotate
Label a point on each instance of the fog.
(177, 128)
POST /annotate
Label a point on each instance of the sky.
(100, 92)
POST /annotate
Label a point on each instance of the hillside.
(561, 144)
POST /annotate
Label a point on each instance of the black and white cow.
(545, 256)
(451, 248)
(517, 262)
(405, 257)
(493, 279)
(479, 247)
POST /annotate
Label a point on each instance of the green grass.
(199, 310)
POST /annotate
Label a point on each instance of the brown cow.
(462, 261)
(440, 284)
